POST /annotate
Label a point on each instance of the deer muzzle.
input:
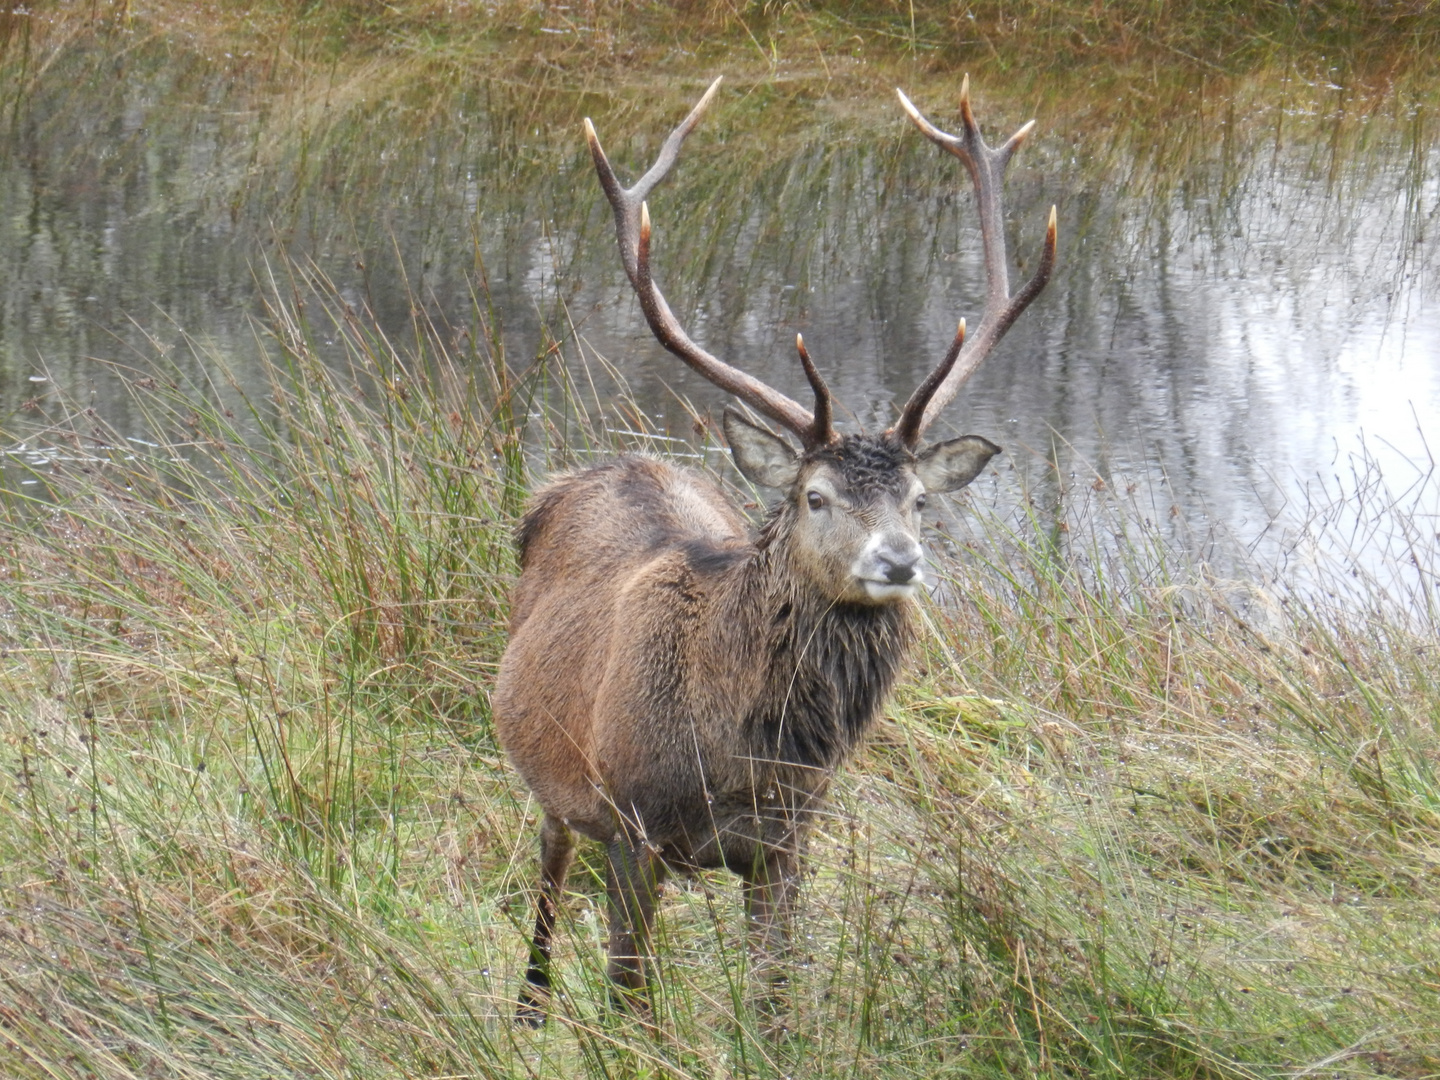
(890, 567)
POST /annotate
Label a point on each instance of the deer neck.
(828, 667)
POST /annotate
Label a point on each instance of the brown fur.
(681, 687)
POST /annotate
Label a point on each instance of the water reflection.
(1244, 299)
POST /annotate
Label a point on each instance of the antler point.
(705, 99)
(911, 111)
(593, 140)
(967, 115)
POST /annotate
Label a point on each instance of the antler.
(987, 171)
(632, 232)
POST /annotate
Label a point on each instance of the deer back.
(619, 568)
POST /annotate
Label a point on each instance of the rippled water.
(1243, 330)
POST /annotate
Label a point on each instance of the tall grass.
(1220, 810)
(244, 671)
(1122, 821)
(837, 40)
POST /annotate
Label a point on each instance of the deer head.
(852, 502)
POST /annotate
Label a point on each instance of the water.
(1242, 333)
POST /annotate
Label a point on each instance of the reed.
(536, 41)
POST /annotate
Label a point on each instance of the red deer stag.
(682, 687)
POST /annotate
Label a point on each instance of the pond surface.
(1242, 336)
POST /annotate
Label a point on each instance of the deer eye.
(919, 502)
(815, 500)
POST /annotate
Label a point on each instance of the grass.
(1123, 820)
(255, 596)
(864, 40)
(1125, 817)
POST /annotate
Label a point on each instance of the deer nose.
(898, 572)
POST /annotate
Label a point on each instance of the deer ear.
(763, 458)
(949, 466)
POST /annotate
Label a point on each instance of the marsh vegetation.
(288, 334)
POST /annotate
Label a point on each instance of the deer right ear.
(762, 458)
(949, 466)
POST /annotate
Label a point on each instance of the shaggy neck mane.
(830, 665)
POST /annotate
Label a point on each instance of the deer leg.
(769, 888)
(557, 844)
(635, 874)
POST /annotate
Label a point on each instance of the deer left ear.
(950, 465)
(763, 458)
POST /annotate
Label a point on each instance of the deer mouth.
(885, 592)
(886, 583)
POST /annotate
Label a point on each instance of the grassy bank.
(1122, 820)
(1380, 41)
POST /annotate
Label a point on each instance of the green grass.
(591, 40)
(1122, 820)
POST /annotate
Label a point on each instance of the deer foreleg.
(633, 883)
(769, 907)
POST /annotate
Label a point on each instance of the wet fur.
(677, 688)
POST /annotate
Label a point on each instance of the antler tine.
(910, 424)
(632, 233)
(986, 165)
(821, 433)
